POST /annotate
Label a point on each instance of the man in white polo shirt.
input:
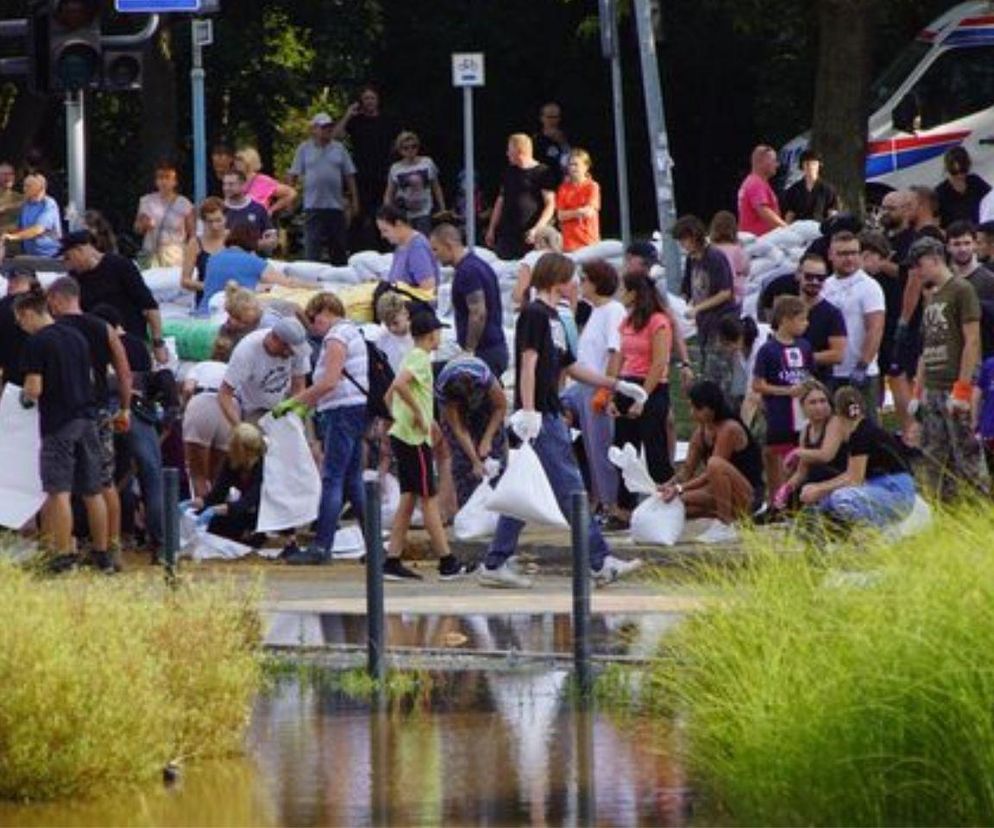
(861, 300)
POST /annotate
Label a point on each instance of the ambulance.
(937, 94)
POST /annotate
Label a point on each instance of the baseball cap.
(75, 239)
(644, 250)
(321, 119)
(290, 331)
(925, 246)
(423, 322)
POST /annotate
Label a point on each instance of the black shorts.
(70, 459)
(415, 467)
(781, 440)
(904, 360)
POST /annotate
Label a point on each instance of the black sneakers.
(450, 568)
(394, 570)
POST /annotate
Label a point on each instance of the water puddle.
(466, 747)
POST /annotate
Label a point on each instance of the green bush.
(103, 681)
(850, 688)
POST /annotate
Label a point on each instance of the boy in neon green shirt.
(411, 401)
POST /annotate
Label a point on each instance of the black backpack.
(381, 377)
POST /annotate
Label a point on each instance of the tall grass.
(855, 688)
(103, 681)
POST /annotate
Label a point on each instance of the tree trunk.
(839, 126)
(159, 118)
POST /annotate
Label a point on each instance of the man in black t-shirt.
(551, 144)
(106, 353)
(241, 209)
(12, 337)
(826, 331)
(110, 278)
(810, 198)
(58, 376)
(527, 201)
(541, 356)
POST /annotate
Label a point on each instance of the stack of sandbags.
(772, 255)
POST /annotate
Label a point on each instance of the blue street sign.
(157, 6)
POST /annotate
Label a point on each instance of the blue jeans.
(341, 474)
(143, 440)
(555, 452)
(878, 501)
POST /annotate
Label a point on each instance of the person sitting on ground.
(783, 364)
(823, 452)
(242, 469)
(200, 248)
(395, 338)
(877, 487)
(730, 485)
(410, 399)
(206, 431)
(472, 407)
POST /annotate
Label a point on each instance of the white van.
(937, 94)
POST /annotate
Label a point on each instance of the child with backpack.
(411, 401)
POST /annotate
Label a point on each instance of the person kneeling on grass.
(242, 470)
(731, 483)
(411, 402)
(541, 356)
(877, 486)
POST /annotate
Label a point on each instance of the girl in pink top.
(644, 357)
(262, 188)
(724, 234)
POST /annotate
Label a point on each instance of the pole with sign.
(467, 72)
(202, 35)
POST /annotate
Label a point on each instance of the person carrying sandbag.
(541, 355)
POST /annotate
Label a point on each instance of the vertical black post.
(374, 580)
(580, 525)
(586, 805)
(170, 515)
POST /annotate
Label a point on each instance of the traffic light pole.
(75, 158)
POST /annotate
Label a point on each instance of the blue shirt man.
(39, 225)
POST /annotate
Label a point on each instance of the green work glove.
(286, 406)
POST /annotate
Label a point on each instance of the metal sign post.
(467, 72)
(659, 145)
(75, 158)
(202, 32)
(609, 48)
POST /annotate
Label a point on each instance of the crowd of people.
(785, 405)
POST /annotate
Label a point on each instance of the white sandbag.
(369, 264)
(807, 229)
(656, 522)
(340, 275)
(524, 491)
(291, 485)
(761, 266)
(917, 521)
(746, 238)
(486, 254)
(444, 299)
(758, 248)
(21, 494)
(633, 471)
(390, 501)
(604, 249)
(474, 519)
(162, 280)
(688, 327)
(200, 545)
(783, 237)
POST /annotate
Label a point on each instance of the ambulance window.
(959, 83)
(894, 75)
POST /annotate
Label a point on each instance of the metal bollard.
(170, 529)
(580, 530)
(372, 527)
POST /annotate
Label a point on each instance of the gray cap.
(925, 246)
(290, 331)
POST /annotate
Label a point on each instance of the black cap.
(644, 250)
(424, 321)
(75, 239)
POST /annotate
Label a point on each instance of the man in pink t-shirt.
(759, 211)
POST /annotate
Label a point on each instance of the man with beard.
(961, 245)
(826, 331)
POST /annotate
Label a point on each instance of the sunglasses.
(813, 277)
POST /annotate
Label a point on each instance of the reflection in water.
(481, 747)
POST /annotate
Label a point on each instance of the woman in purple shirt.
(414, 263)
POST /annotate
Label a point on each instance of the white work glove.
(526, 424)
(632, 390)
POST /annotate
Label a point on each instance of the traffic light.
(74, 53)
(122, 69)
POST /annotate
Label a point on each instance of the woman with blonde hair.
(242, 470)
(547, 240)
(412, 183)
(578, 203)
(263, 189)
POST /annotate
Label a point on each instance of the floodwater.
(502, 746)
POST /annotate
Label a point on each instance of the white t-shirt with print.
(261, 380)
(855, 296)
(601, 334)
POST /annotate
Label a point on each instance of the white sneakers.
(507, 575)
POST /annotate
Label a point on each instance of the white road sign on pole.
(467, 69)
(467, 72)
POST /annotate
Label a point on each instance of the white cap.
(321, 119)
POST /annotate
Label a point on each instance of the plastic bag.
(524, 491)
(633, 470)
(656, 522)
(474, 519)
(291, 485)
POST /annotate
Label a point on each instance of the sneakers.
(505, 576)
(394, 570)
(614, 568)
(58, 564)
(311, 556)
(450, 568)
(101, 561)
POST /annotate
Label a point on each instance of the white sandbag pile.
(774, 254)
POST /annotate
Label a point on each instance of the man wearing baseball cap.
(950, 355)
(266, 367)
(327, 170)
